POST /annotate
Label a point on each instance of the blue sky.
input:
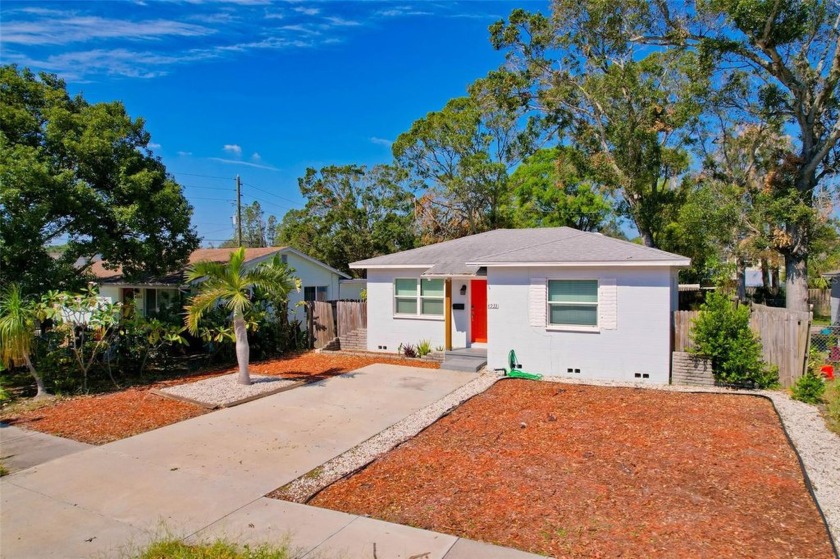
(256, 88)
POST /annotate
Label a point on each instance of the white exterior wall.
(835, 300)
(110, 293)
(640, 343)
(351, 289)
(385, 332)
(311, 275)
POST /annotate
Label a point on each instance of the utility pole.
(238, 211)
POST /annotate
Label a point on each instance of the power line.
(286, 208)
(206, 187)
(295, 202)
(217, 199)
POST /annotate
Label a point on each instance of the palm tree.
(233, 285)
(17, 330)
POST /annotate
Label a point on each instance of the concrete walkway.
(21, 448)
(207, 476)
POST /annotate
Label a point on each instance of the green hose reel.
(515, 369)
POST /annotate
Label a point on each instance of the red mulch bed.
(583, 471)
(105, 418)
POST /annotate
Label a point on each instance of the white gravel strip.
(304, 487)
(225, 390)
(818, 447)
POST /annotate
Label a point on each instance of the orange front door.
(478, 310)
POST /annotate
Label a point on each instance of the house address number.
(492, 306)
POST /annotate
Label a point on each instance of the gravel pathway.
(306, 486)
(818, 447)
(225, 390)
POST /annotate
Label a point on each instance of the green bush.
(809, 388)
(424, 348)
(722, 332)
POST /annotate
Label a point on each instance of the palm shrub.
(233, 286)
(18, 315)
(722, 332)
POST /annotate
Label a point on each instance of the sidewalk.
(208, 475)
(21, 448)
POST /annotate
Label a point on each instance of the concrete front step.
(459, 363)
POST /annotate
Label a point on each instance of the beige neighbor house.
(319, 282)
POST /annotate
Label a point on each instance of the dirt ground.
(583, 471)
(103, 418)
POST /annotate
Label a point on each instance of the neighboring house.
(318, 281)
(834, 278)
(570, 303)
(351, 289)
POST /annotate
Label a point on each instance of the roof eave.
(678, 263)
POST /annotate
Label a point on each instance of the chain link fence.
(826, 341)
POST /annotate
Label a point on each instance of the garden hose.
(514, 370)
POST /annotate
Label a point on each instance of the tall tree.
(233, 285)
(628, 109)
(257, 231)
(554, 188)
(82, 174)
(783, 56)
(351, 213)
(463, 154)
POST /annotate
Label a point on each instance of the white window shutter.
(537, 302)
(607, 304)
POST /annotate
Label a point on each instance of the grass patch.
(3, 470)
(172, 548)
(831, 397)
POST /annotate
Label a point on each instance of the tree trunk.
(39, 380)
(741, 280)
(243, 351)
(796, 282)
(765, 274)
(647, 238)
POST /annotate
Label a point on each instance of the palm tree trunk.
(242, 349)
(39, 380)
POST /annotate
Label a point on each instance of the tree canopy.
(81, 174)
(351, 213)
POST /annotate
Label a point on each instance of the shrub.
(809, 388)
(424, 348)
(722, 332)
(407, 350)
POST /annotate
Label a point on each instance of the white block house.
(318, 281)
(569, 303)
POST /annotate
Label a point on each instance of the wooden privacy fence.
(784, 337)
(352, 315)
(320, 323)
(821, 301)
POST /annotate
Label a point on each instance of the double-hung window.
(418, 297)
(573, 302)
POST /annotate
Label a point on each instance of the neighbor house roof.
(115, 277)
(550, 246)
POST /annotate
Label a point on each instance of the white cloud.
(233, 149)
(73, 29)
(184, 153)
(402, 11)
(245, 163)
(307, 11)
(256, 157)
(341, 22)
(153, 145)
(381, 141)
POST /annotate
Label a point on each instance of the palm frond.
(205, 269)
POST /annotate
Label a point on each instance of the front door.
(478, 310)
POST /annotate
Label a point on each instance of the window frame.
(418, 298)
(567, 326)
(317, 290)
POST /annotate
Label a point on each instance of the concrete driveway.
(209, 475)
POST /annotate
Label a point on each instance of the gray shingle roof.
(544, 246)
